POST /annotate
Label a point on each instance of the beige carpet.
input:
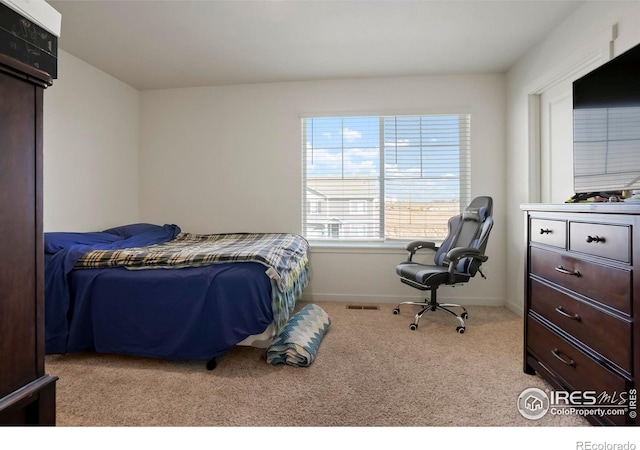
(370, 370)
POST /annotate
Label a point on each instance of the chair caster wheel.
(413, 326)
(464, 315)
(460, 329)
(396, 311)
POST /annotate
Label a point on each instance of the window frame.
(382, 241)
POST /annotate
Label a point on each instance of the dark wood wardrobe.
(27, 393)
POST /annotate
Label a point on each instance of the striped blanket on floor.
(298, 342)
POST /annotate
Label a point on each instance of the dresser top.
(593, 207)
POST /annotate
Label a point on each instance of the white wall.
(91, 129)
(228, 158)
(586, 32)
(225, 159)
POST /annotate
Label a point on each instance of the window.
(384, 178)
(358, 206)
(334, 230)
(315, 207)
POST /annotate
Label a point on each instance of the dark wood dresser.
(581, 314)
(27, 394)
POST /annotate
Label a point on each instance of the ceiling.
(153, 44)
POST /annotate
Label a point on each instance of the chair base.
(433, 305)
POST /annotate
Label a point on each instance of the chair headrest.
(475, 214)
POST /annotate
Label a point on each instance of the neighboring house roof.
(315, 192)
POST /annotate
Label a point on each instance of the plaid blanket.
(284, 255)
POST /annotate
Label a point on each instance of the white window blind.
(384, 178)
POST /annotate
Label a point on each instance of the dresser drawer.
(604, 333)
(579, 371)
(607, 241)
(549, 232)
(607, 285)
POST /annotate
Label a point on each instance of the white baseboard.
(352, 298)
(516, 309)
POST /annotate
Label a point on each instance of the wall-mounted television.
(606, 127)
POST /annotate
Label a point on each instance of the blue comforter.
(173, 312)
(62, 251)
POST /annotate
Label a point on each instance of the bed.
(155, 291)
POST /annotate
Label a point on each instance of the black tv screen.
(606, 126)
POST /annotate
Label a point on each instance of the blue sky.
(349, 147)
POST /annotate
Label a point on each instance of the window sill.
(359, 247)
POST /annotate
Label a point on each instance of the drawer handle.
(569, 362)
(545, 231)
(574, 273)
(561, 311)
(595, 239)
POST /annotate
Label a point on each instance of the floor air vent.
(368, 307)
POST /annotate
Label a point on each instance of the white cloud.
(364, 153)
(398, 143)
(324, 162)
(393, 171)
(351, 135)
(357, 162)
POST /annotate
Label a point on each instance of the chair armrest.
(456, 254)
(413, 247)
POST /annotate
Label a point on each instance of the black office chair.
(456, 260)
